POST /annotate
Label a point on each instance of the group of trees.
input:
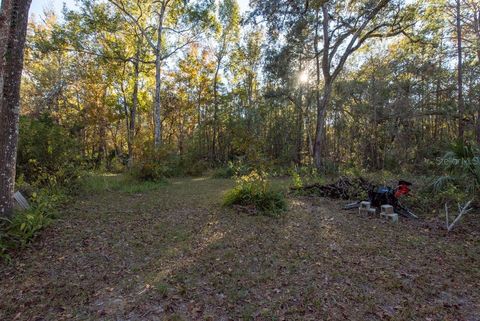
(368, 83)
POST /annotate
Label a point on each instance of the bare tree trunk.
(133, 111)
(461, 104)
(158, 80)
(299, 127)
(215, 109)
(13, 28)
(321, 109)
(476, 26)
(327, 87)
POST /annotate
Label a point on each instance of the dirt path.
(176, 254)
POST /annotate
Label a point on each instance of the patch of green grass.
(270, 203)
(97, 183)
(161, 289)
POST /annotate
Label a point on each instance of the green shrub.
(23, 226)
(296, 180)
(156, 164)
(195, 168)
(47, 153)
(26, 224)
(235, 168)
(228, 171)
(461, 165)
(223, 172)
(254, 191)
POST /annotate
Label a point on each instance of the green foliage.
(253, 190)
(461, 165)
(194, 168)
(296, 180)
(47, 154)
(157, 164)
(224, 172)
(19, 230)
(233, 168)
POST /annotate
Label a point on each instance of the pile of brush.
(344, 188)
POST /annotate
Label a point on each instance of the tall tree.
(472, 35)
(172, 19)
(228, 30)
(13, 29)
(344, 29)
(340, 28)
(461, 103)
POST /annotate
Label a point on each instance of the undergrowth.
(20, 229)
(254, 193)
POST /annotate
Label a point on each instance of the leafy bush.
(461, 165)
(23, 226)
(296, 180)
(157, 164)
(165, 162)
(228, 171)
(223, 172)
(47, 153)
(235, 168)
(254, 191)
(195, 168)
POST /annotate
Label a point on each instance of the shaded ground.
(175, 254)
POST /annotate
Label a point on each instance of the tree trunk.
(476, 21)
(299, 140)
(13, 28)
(461, 104)
(321, 109)
(478, 129)
(133, 111)
(157, 121)
(215, 109)
(323, 101)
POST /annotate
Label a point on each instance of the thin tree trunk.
(133, 111)
(215, 108)
(327, 87)
(476, 21)
(461, 104)
(158, 80)
(321, 108)
(299, 142)
(13, 28)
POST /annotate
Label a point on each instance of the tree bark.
(13, 28)
(476, 26)
(461, 104)
(321, 108)
(215, 109)
(133, 111)
(327, 87)
(158, 80)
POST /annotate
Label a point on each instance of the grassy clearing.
(95, 183)
(174, 253)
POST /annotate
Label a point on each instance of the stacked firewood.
(344, 188)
